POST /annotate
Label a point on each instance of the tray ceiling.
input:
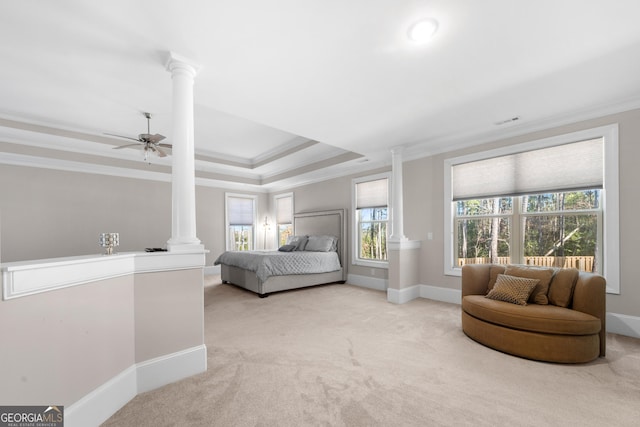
(291, 92)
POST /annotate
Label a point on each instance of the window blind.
(284, 210)
(239, 211)
(372, 194)
(568, 167)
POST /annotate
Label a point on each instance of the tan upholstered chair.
(570, 328)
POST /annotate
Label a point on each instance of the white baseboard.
(212, 270)
(401, 296)
(453, 296)
(368, 282)
(623, 324)
(163, 370)
(97, 406)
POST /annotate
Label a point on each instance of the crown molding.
(472, 138)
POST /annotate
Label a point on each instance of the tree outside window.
(241, 237)
(554, 229)
(373, 233)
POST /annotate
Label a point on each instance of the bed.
(265, 272)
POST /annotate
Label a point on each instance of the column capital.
(397, 150)
(177, 62)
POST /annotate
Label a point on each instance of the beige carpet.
(339, 355)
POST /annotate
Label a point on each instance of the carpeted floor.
(339, 355)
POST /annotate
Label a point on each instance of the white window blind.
(568, 167)
(372, 194)
(240, 211)
(284, 210)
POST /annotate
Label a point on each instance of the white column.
(183, 199)
(397, 228)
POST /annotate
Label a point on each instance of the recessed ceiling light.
(423, 30)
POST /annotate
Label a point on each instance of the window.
(284, 217)
(552, 202)
(241, 219)
(371, 208)
(555, 230)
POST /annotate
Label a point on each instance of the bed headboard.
(330, 223)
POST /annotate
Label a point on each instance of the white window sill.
(453, 272)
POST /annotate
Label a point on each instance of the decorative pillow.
(544, 274)
(515, 290)
(287, 248)
(321, 244)
(299, 241)
(562, 286)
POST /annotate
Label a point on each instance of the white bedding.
(266, 264)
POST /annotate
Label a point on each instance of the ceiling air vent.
(509, 120)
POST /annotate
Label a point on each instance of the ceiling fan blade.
(161, 152)
(169, 146)
(155, 138)
(147, 137)
(126, 146)
(122, 136)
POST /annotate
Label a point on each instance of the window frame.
(610, 230)
(517, 217)
(275, 214)
(254, 200)
(355, 240)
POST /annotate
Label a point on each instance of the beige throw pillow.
(543, 274)
(515, 290)
(562, 286)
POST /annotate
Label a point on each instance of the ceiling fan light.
(423, 30)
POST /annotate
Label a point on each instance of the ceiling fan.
(149, 143)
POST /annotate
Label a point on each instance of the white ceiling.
(289, 84)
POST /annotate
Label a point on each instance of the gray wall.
(210, 219)
(61, 345)
(336, 194)
(42, 215)
(48, 213)
(424, 206)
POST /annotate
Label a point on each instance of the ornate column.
(397, 213)
(183, 199)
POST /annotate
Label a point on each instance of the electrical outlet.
(430, 236)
